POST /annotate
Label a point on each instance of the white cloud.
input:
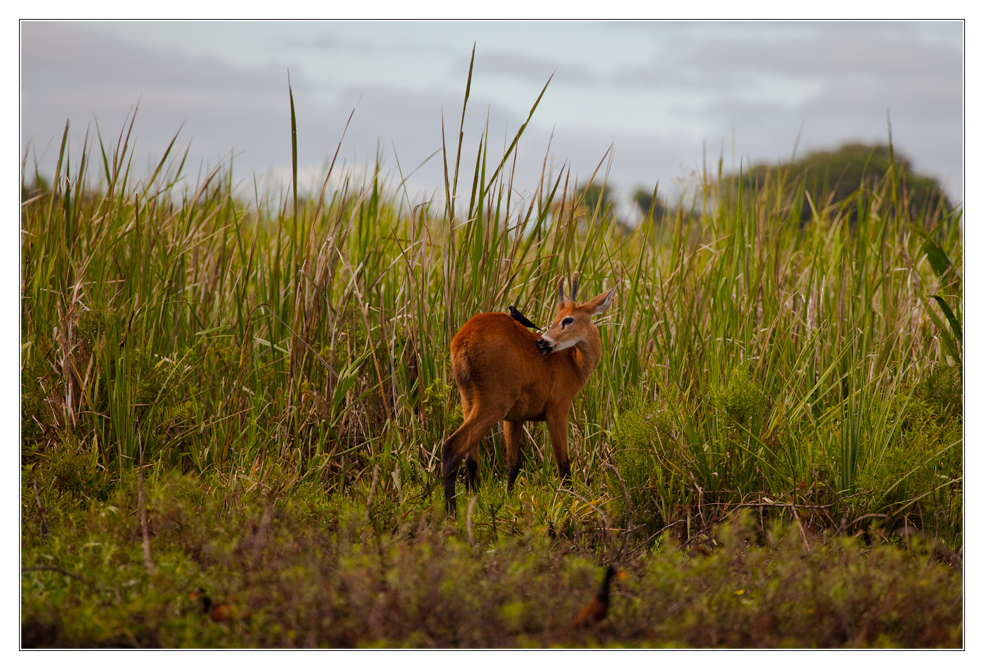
(659, 91)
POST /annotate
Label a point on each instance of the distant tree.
(835, 178)
(644, 201)
(595, 196)
(40, 185)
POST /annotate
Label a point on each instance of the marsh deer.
(506, 373)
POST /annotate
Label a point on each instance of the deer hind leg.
(471, 458)
(514, 441)
(557, 426)
(464, 441)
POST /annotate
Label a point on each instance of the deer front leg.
(557, 426)
(514, 440)
(471, 469)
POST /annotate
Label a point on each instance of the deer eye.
(567, 321)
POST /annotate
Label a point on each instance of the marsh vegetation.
(250, 395)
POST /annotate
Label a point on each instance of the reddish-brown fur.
(506, 373)
(597, 607)
(216, 612)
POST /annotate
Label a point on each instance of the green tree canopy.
(836, 177)
(643, 199)
(595, 195)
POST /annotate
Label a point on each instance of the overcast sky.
(658, 93)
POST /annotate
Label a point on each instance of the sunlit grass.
(808, 372)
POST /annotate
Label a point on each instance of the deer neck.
(585, 356)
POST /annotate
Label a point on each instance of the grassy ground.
(772, 445)
(302, 570)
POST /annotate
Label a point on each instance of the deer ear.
(575, 280)
(561, 300)
(600, 303)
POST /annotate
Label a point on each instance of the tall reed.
(748, 357)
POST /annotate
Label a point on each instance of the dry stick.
(142, 509)
(468, 522)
